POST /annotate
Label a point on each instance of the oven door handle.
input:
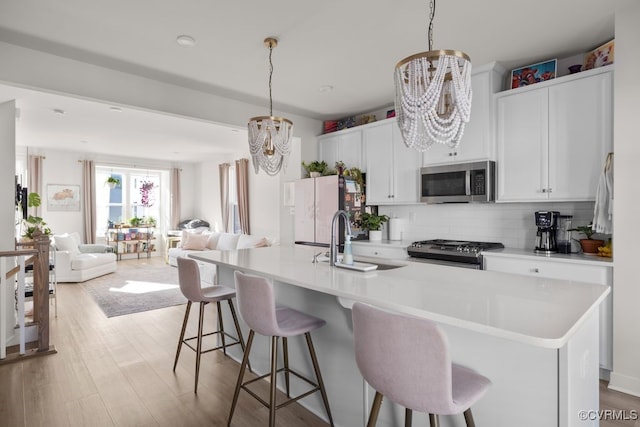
(467, 183)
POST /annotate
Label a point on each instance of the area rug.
(136, 287)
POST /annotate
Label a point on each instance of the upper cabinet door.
(406, 169)
(580, 135)
(345, 146)
(522, 136)
(379, 163)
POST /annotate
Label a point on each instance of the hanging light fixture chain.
(270, 76)
(432, 13)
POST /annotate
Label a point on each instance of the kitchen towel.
(603, 209)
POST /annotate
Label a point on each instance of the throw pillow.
(246, 241)
(196, 242)
(227, 241)
(64, 242)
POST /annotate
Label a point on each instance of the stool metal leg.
(316, 368)
(221, 328)
(375, 408)
(285, 351)
(238, 331)
(434, 421)
(243, 366)
(468, 418)
(184, 328)
(199, 347)
(408, 417)
(274, 371)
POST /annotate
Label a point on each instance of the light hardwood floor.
(118, 372)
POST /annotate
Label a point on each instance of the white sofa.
(199, 240)
(77, 262)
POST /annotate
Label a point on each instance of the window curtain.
(174, 219)
(224, 195)
(34, 178)
(242, 185)
(89, 200)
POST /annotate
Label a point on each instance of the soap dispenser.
(347, 256)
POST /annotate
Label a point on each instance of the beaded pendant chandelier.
(269, 136)
(433, 95)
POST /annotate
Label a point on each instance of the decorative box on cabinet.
(478, 142)
(131, 240)
(392, 168)
(553, 137)
(565, 267)
(344, 146)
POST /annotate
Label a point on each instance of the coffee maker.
(547, 223)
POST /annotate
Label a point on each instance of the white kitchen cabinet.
(477, 141)
(534, 266)
(345, 146)
(385, 250)
(392, 168)
(552, 140)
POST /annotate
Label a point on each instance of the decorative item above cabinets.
(553, 137)
(478, 141)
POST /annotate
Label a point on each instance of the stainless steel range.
(451, 252)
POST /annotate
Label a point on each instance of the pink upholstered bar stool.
(257, 305)
(191, 287)
(407, 360)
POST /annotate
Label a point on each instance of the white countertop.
(564, 258)
(537, 311)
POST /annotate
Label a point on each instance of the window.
(137, 195)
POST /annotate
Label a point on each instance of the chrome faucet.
(333, 248)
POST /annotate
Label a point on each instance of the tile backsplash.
(512, 224)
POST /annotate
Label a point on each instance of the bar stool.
(190, 285)
(407, 360)
(257, 305)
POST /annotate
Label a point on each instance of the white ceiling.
(352, 45)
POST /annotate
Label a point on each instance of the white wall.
(7, 203)
(626, 289)
(509, 223)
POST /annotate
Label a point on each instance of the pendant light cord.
(270, 75)
(432, 7)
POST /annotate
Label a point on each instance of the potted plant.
(135, 221)
(588, 245)
(34, 223)
(113, 182)
(315, 168)
(372, 222)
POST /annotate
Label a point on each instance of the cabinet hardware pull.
(535, 270)
(544, 190)
(549, 190)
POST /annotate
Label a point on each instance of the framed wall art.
(534, 73)
(63, 197)
(600, 56)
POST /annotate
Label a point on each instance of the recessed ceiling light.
(325, 88)
(186, 41)
(58, 111)
(116, 109)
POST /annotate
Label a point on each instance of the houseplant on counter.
(373, 222)
(588, 245)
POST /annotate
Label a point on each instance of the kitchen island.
(535, 338)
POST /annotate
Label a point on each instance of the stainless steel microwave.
(458, 183)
